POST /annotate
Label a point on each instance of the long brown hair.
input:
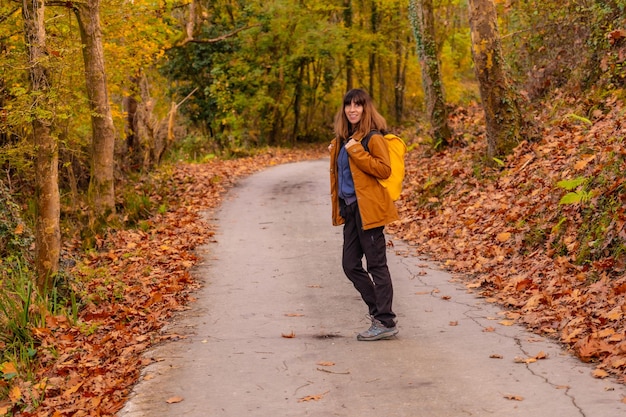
(370, 120)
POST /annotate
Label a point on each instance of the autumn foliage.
(557, 264)
(131, 286)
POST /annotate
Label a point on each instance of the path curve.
(275, 270)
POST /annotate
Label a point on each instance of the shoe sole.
(382, 336)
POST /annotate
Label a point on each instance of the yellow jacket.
(375, 205)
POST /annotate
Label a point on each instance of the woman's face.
(353, 113)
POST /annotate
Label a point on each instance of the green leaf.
(579, 118)
(498, 161)
(571, 184)
(571, 198)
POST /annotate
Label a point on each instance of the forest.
(113, 114)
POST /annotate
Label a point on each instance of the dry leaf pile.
(130, 288)
(505, 230)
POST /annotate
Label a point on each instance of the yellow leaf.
(517, 359)
(15, 394)
(507, 322)
(503, 237)
(4, 409)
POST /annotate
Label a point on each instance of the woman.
(363, 206)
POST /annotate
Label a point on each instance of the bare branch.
(219, 38)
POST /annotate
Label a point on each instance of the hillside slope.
(558, 265)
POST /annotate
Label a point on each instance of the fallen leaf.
(174, 400)
(506, 322)
(454, 323)
(8, 368)
(19, 229)
(583, 162)
(316, 397)
(294, 315)
(489, 329)
(514, 397)
(289, 335)
(326, 363)
(503, 237)
(446, 297)
(15, 394)
(496, 356)
(600, 373)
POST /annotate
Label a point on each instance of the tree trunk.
(101, 187)
(47, 230)
(422, 22)
(372, 60)
(347, 18)
(500, 101)
(402, 54)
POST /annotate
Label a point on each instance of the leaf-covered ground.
(557, 268)
(503, 230)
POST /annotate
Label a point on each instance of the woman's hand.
(351, 143)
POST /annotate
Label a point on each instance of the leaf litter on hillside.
(131, 286)
(513, 241)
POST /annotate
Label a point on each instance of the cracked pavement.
(275, 270)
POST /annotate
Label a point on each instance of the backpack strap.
(366, 140)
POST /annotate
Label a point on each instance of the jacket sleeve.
(376, 162)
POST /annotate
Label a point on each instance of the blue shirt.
(346, 184)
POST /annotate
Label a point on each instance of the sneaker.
(377, 331)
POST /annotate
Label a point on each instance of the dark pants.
(377, 290)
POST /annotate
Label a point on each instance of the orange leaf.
(15, 394)
(174, 400)
(326, 363)
(316, 397)
(583, 162)
(503, 237)
(600, 373)
(8, 368)
(289, 335)
(514, 397)
(19, 229)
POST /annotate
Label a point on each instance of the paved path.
(276, 271)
